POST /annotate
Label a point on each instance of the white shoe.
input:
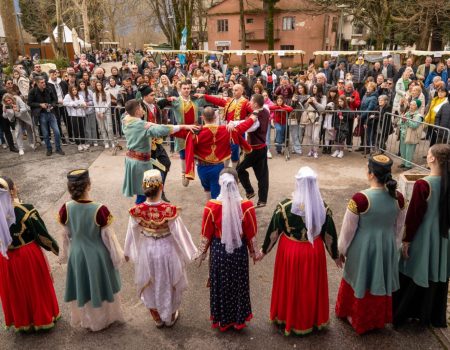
(80, 148)
(95, 144)
(335, 154)
(316, 155)
(341, 154)
(33, 146)
(269, 155)
(86, 147)
(5, 146)
(310, 153)
(21, 152)
(106, 145)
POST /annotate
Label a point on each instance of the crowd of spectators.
(328, 104)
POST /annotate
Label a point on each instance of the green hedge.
(61, 63)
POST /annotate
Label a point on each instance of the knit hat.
(418, 102)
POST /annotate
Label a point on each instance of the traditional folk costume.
(153, 113)
(234, 110)
(424, 275)
(160, 246)
(26, 287)
(185, 112)
(257, 159)
(369, 238)
(138, 156)
(211, 146)
(300, 284)
(228, 229)
(93, 281)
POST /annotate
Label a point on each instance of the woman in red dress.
(26, 287)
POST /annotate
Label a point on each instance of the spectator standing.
(359, 72)
(102, 104)
(327, 71)
(425, 69)
(42, 100)
(60, 89)
(90, 126)
(440, 71)
(76, 110)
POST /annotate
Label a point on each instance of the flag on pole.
(183, 45)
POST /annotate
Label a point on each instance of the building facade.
(294, 29)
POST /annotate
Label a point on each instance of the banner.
(183, 46)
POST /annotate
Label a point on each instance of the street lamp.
(19, 23)
(341, 23)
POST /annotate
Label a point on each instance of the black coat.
(443, 116)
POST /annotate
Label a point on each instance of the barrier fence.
(304, 131)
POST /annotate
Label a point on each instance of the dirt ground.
(42, 183)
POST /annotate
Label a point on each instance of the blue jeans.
(280, 136)
(209, 177)
(182, 154)
(234, 152)
(48, 119)
(268, 136)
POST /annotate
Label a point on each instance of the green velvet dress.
(139, 139)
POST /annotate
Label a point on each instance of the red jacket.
(355, 95)
(281, 112)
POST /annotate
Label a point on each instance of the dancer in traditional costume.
(139, 136)
(185, 110)
(303, 225)
(211, 146)
(94, 256)
(425, 262)
(235, 108)
(368, 242)
(153, 113)
(228, 230)
(160, 246)
(26, 287)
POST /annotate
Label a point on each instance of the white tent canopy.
(67, 37)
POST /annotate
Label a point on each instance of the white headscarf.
(231, 212)
(7, 218)
(307, 202)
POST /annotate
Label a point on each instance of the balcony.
(259, 35)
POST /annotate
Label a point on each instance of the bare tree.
(10, 25)
(82, 7)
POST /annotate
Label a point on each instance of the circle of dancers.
(395, 256)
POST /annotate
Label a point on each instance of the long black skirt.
(229, 286)
(428, 305)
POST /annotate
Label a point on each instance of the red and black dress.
(26, 287)
(228, 273)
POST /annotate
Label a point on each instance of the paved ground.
(42, 182)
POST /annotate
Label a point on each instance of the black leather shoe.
(14, 149)
(49, 152)
(61, 152)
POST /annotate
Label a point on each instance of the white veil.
(7, 218)
(231, 212)
(307, 202)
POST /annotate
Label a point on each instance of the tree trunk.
(85, 17)
(60, 42)
(243, 35)
(269, 29)
(10, 26)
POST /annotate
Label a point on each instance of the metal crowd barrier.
(302, 131)
(392, 140)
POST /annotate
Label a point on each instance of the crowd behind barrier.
(330, 109)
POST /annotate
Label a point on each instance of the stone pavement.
(42, 181)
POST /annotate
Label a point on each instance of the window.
(286, 47)
(288, 23)
(222, 25)
(249, 20)
(335, 25)
(358, 29)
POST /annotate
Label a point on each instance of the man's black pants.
(257, 159)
